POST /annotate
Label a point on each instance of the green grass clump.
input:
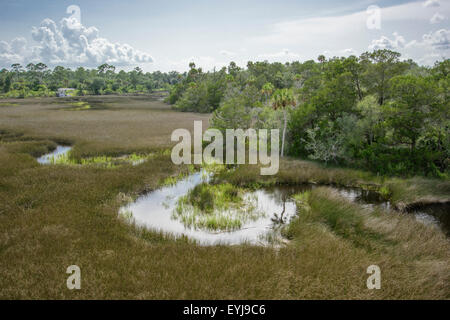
(209, 197)
(216, 207)
(79, 106)
(8, 104)
(100, 161)
(385, 192)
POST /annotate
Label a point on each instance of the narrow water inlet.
(58, 155)
(60, 151)
(155, 211)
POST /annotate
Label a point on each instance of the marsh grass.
(218, 207)
(12, 104)
(397, 242)
(402, 192)
(99, 161)
(418, 190)
(173, 179)
(52, 217)
(79, 106)
(341, 216)
(32, 148)
(129, 124)
(126, 215)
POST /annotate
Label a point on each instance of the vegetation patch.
(33, 148)
(8, 104)
(79, 106)
(219, 207)
(171, 180)
(100, 161)
(342, 217)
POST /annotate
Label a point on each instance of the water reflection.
(437, 214)
(155, 211)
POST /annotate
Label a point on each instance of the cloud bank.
(69, 43)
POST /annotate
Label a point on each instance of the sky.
(166, 35)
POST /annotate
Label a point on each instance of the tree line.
(39, 80)
(375, 111)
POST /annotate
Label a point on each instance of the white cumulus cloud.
(431, 3)
(69, 43)
(433, 46)
(72, 44)
(12, 52)
(438, 40)
(385, 43)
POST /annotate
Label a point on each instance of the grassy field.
(112, 124)
(55, 216)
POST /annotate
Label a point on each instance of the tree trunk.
(284, 132)
(359, 90)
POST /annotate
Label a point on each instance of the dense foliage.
(374, 111)
(38, 80)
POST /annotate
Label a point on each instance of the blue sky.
(167, 35)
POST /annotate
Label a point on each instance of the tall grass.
(52, 217)
(345, 234)
(100, 161)
(216, 207)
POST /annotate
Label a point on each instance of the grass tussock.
(218, 207)
(79, 106)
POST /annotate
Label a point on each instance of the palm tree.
(267, 90)
(282, 98)
(322, 60)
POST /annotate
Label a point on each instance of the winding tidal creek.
(274, 206)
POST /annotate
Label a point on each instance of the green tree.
(381, 66)
(414, 104)
(267, 90)
(353, 66)
(97, 85)
(371, 117)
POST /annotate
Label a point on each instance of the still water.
(155, 211)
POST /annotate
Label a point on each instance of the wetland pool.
(155, 210)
